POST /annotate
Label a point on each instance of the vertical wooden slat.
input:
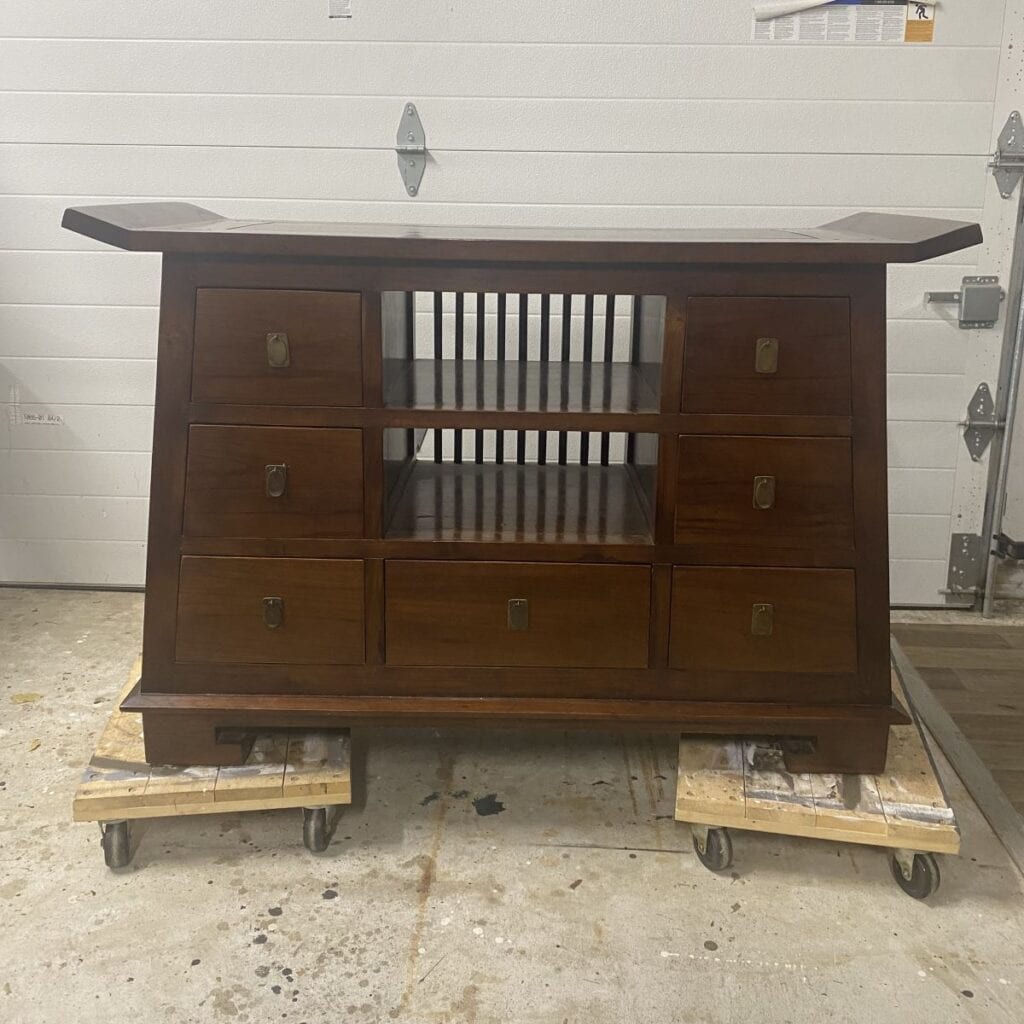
(524, 313)
(588, 359)
(438, 356)
(609, 344)
(499, 435)
(634, 359)
(566, 343)
(460, 354)
(545, 358)
(481, 324)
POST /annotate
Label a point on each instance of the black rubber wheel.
(314, 829)
(717, 853)
(924, 875)
(116, 843)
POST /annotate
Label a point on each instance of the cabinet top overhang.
(184, 228)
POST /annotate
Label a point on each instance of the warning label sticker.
(845, 21)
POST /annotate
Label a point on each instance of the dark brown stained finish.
(222, 615)
(182, 227)
(584, 616)
(232, 361)
(720, 356)
(330, 542)
(489, 384)
(273, 482)
(813, 620)
(510, 503)
(723, 496)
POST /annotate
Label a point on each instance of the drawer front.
(763, 620)
(299, 611)
(274, 482)
(766, 492)
(512, 614)
(767, 356)
(266, 347)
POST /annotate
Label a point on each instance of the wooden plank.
(260, 778)
(117, 774)
(848, 803)
(318, 768)
(915, 807)
(709, 783)
(772, 793)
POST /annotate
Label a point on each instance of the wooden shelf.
(496, 385)
(546, 504)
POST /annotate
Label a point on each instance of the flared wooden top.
(184, 228)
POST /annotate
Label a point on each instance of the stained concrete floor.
(578, 901)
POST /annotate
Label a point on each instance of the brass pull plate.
(766, 355)
(273, 612)
(278, 353)
(762, 619)
(518, 614)
(764, 491)
(276, 478)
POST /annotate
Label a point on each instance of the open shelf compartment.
(574, 354)
(489, 486)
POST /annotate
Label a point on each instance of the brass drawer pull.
(518, 614)
(762, 619)
(273, 612)
(278, 353)
(766, 355)
(764, 491)
(277, 479)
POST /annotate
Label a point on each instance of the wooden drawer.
(459, 613)
(763, 620)
(766, 492)
(274, 482)
(727, 356)
(268, 347)
(226, 614)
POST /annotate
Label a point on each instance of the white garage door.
(666, 113)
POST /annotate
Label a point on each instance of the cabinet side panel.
(870, 479)
(167, 479)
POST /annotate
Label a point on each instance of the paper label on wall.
(852, 21)
(339, 9)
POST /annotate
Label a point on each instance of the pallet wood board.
(282, 770)
(743, 784)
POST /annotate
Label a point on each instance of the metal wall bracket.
(978, 301)
(981, 424)
(965, 565)
(1007, 547)
(1007, 161)
(411, 149)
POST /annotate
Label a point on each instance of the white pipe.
(778, 8)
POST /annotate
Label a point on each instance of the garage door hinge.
(1007, 161)
(981, 424)
(965, 565)
(411, 148)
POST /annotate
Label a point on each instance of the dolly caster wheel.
(713, 847)
(315, 833)
(917, 874)
(116, 843)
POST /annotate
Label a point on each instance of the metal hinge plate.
(411, 147)
(1007, 162)
(981, 424)
(965, 565)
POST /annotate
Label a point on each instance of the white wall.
(662, 114)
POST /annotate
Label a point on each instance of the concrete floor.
(580, 901)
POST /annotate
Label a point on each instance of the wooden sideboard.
(479, 476)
